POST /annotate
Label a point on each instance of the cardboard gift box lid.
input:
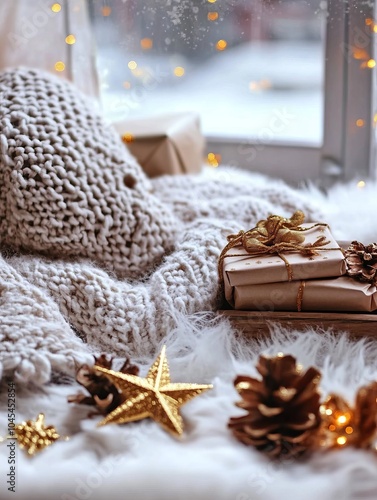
(245, 269)
(337, 294)
(166, 144)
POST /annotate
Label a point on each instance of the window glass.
(249, 67)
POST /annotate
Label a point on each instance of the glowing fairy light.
(70, 39)
(132, 65)
(213, 159)
(341, 440)
(179, 71)
(212, 16)
(146, 43)
(59, 66)
(56, 7)
(221, 45)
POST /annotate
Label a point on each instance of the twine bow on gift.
(274, 235)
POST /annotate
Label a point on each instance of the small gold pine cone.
(282, 408)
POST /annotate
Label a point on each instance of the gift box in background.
(337, 294)
(246, 269)
(168, 144)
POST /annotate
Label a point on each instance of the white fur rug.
(140, 461)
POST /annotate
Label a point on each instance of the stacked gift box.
(300, 268)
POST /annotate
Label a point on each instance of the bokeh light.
(212, 16)
(221, 45)
(59, 66)
(179, 71)
(56, 7)
(70, 39)
(132, 64)
(146, 43)
(106, 11)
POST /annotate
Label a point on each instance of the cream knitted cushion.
(68, 186)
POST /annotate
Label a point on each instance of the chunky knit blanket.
(95, 256)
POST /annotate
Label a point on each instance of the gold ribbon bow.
(274, 235)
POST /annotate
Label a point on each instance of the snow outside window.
(282, 86)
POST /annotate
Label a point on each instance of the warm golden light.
(70, 39)
(106, 11)
(371, 63)
(132, 64)
(368, 21)
(56, 7)
(59, 66)
(341, 440)
(211, 1)
(342, 419)
(361, 184)
(221, 45)
(127, 85)
(146, 43)
(212, 16)
(213, 159)
(359, 53)
(328, 411)
(128, 137)
(349, 430)
(375, 28)
(332, 427)
(179, 71)
(360, 122)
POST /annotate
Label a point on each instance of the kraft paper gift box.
(337, 294)
(245, 269)
(168, 144)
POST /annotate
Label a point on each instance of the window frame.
(347, 151)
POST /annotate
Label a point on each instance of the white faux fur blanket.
(55, 311)
(141, 461)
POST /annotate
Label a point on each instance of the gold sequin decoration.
(34, 436)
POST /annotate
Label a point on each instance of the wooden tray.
(256, 323)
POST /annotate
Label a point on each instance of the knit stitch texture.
(55, 310)
(68, 186)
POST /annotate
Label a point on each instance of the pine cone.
(104, 394)
(362, 262)
(366, 415)
(282, 409)
(344, 426)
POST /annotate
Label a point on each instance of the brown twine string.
(300, 296)
(261, 240)
(256, 242)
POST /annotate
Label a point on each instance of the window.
(284, 87)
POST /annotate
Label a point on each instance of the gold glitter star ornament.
(151, 397)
